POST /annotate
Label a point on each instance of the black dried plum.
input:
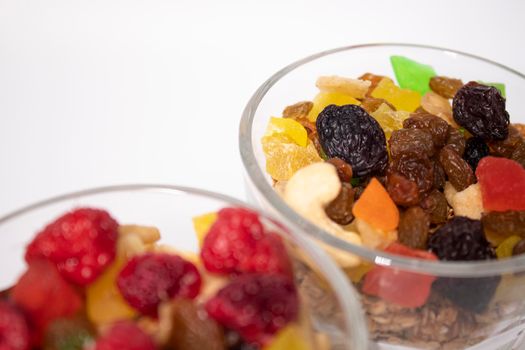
(463, 239)
(350, 133)
(411, 142)
(475, 149)
(421, 171)
(436, 126)
(481, 110)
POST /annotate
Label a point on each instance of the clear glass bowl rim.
(257, 177)
(348, 298)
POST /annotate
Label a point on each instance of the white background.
(104, 92)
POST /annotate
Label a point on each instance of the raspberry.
(148, 279)
(238, 243)
(125, 336)
(81, 243)
(256, 306)
(14, 333)
(44, 296)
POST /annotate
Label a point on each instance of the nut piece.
(353, 87)
(308, 192)
(465, 203)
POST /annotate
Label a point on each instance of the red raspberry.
(14, 333)
(81, 243)
(148, 279)
(44, 296)
(256, 306)
(125, 336)
(238, 243)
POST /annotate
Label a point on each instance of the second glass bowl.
(438, 324)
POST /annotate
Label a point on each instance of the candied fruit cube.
(202, 224)
(289, 127)
(402, 99)
(388, 119)
(502, 183)
(284, 157)
(376, 207)
(323, 99)
(411, 74)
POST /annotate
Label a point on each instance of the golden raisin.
(371, 104)
(444, 86)
(374, 79)
(298, 110)
(340, 209)
(458, 171)
(413, 228)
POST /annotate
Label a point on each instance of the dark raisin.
(411, 142)
(475, 149)
(519, 127)
(481, 110)
(298, 110)
(456, 139)
(436, 205)
(440, 178)
(458, 171)
(404, 192)
(374, 79)
(505, 223)
(421, 171)
(413, 228)
(340, 209)
(436, 126)
(350, 133)
(506, 147)
(371, 104)
(311, 130)
(344, 170)
(519, 154)
(462, 239)
(519, 248)
(444, 86)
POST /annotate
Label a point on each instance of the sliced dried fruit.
(502, 184)
(192, 329)
(350, 133)
(298, 110)
(403, 100)
(445, 86)
(458, 171)
(284, 157)
(411, 74)
(404, 288)
(257, 306)
(376, 207)
(413, 228)
(353, 87)
(289, 127)
(481, 110)
(324, 99)
(148, 279)
(505, 249)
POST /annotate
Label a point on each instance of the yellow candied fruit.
(289, 338)
(104, 303)
(289, 127)
(323, 99)
(402, 99)
(356, 274)
(202, 224)
(284, 157)
(388, 119)
(504, 250)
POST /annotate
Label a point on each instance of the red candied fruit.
(256, 306)
(404, 288)
(125, 336)
(502, 183)
(45, 296)
(82, 243)
(14, 333)
(148, 279)
(237, 243)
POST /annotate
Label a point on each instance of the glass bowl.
(338, 319)
(438, 324)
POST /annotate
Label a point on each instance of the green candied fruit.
(411, 74)
(499, 86)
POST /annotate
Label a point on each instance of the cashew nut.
(308, 192)
(465, 203)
